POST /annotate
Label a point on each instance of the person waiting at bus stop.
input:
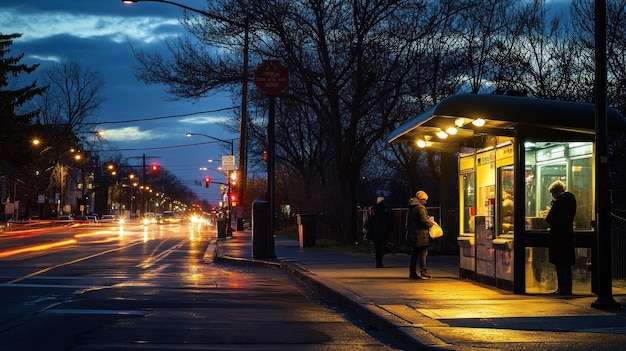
(561, 246)
(417, 224)
(379, 225)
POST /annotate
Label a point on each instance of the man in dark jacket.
(379, 226)
(561, 239)
(417, 224)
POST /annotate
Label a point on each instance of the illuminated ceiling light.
(441, 134)
(421, 143)
(451, 130)
(459, 122)
(479, 122)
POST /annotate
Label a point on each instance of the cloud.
(53, 58)
(98, 33)
(146, 29)
(128, 134)
(204, 120)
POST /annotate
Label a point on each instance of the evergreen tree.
(14, 118)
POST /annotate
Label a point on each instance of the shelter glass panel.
(570, 162)
(506, 209)
(468, 186)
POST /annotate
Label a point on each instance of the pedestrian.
(379, 224)
(417, 224)
(561, 244)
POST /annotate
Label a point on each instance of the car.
(108, 219)
(65, 218)
(89, 219)
(170, 217)
(149, 218)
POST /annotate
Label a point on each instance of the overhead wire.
(160, 117)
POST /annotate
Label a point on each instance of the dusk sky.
(99, 34)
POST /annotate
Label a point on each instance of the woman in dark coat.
(379, 226)
(417, 224)
(561, 239)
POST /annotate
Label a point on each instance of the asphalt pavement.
(443, 313)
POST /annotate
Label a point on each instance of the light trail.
(36, 248)
(41, 271)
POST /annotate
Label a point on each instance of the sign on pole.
(228, 162)
(271, 77)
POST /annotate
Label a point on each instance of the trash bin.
(262, 241)
(306, 229)
(222, 228)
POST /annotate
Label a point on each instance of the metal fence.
(398, 233)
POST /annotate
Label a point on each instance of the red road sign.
(271, 77)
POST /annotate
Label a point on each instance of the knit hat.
(421, 195)
(380, 199)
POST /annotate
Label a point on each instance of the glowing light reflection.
(36, 248)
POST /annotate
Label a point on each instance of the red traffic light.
(233, 199)
(155, 169)
(207, 181)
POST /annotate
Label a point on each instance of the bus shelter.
(510, 149)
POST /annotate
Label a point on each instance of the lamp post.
(59, 168)
(228, 171)
(243, 127)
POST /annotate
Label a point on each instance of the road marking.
(101, 312)
(62, 286)
(147, 263)
(17, 280)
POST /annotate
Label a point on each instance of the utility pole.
(602, 263)
(143, 178)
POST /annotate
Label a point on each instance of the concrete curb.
(375, 316)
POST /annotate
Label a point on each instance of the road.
(148, 288)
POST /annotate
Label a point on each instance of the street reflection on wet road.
(150, 286)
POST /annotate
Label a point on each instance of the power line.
(160, 117)
(161, 147)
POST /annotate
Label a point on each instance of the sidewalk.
(444, 313)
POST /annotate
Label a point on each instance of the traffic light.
(155, 169)
(233, 199)
(207, 181)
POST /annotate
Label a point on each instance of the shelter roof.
(501, 115)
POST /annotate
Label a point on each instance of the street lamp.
(243, 127)
(228, 171)
(229, 141)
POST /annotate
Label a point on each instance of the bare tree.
(351, 65)
(583, 23)
(480, 28)
(358, 69)
(76, 93)
(543, 50)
